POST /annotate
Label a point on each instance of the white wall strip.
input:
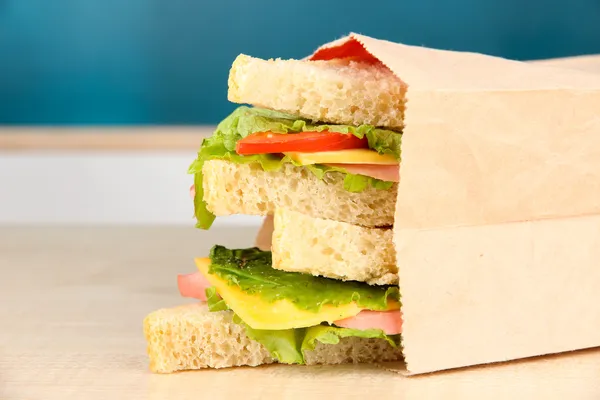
(124, 188)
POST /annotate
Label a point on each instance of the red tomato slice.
(306, 142)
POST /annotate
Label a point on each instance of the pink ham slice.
(389, 173)
(389, 322)
(193, 285)
(264, 238)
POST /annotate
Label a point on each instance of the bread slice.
(191, 337)
(333, 249)
(231, 188)
(337, 91)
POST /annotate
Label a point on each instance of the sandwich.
(487, 252)
(314, 147)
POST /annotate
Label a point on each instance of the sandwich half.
(319, 131)
(318, 153)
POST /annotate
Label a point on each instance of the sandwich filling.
(367, 155)
(289, 312)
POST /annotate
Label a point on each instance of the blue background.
(115, 62)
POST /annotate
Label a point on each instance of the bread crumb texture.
(231, 188)
(337, 91)
(333, 249)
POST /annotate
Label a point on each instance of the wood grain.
(73, 301)
(134, 138)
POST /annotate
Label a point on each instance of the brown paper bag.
(589, 63)
(497, 225)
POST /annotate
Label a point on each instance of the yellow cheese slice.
(281, 314)
(352, 156)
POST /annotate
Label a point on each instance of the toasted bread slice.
(337, 91)
(191, 337)
(231, 188)
(333, 249)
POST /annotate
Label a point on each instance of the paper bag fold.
(496, 224)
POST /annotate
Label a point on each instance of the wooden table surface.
(73, 300)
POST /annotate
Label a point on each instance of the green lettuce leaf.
(204, 218)
(214, 301)
(289, 346)
(247, 120)
(251, 270)
(285, 345)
